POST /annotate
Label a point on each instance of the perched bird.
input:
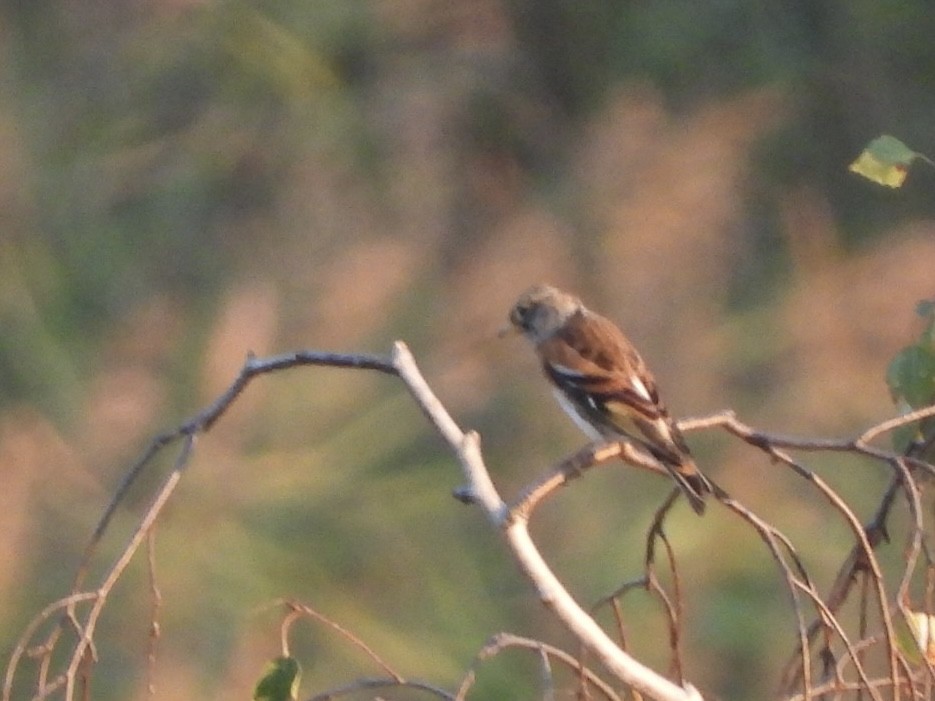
(602, 383)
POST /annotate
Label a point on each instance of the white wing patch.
(640, 387)
(566, 371)
(581, 422)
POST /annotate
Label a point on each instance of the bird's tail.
(694, 485)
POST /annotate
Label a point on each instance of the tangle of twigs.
(829, 660)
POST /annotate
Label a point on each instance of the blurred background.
(184, 181)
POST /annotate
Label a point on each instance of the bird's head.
(541, 311)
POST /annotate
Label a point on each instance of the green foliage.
(886, 161)
(912, 635)
(911, 379)
(280, 681)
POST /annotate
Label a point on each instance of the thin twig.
(513, 522)
(370, 683)
(673, 604)
(552, 593)
(186, 432)
(53, 609)
(575, 465)
(770, 441)
(771, 444)
(207, 417)
(155, 630)
(545, 675)
(503, 641)
(893, 424)
(116, 570)
(294, 607)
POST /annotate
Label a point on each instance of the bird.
(602, 382)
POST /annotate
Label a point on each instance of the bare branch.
(548, 586)
(370, 683)
(296, 609)
(503, 641)
(155, 631)
(513, 519)
(592, 455)
(771, 441)
(548, 682)
(186, 432)
(206, 418)
(891, 424)
(53, 609)
(116, 570)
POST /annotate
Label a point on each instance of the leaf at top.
(280, 681)
(885, 160)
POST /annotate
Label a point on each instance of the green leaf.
(921, 636)
(911, 376)
(885, 160)
(280, 681)
(908, 636)
(911, 379)
(907, 434)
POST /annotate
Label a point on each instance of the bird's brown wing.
(596, 358)
(595, 365)
(599, 371)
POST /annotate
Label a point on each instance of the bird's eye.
(525, 313)
(520, 315)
